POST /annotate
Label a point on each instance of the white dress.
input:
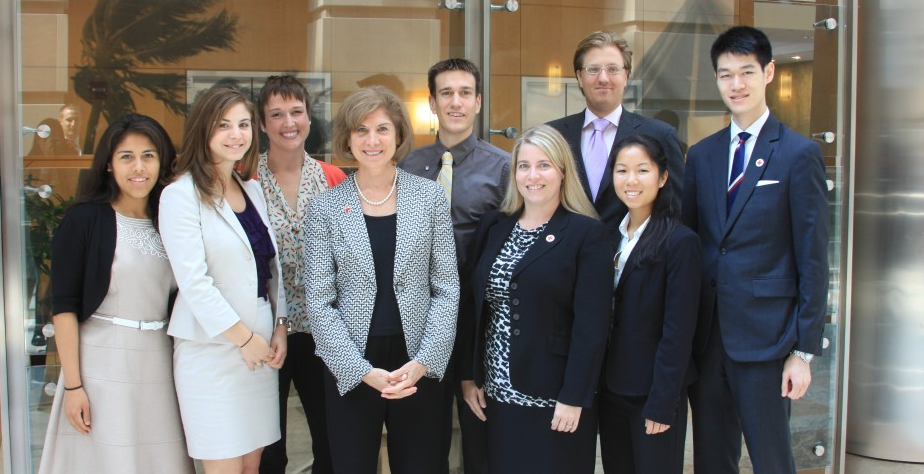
(126, 373)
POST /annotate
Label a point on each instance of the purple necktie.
(737, 171)
(596, 157)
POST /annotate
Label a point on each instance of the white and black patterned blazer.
(340, 278)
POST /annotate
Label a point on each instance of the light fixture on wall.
(785, 85)
(424, 122)
(554, 79)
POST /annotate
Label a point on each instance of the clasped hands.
(397, 384)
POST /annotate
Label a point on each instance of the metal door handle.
(827, 137)
(508, 6)
(43, 131)
(509, 132)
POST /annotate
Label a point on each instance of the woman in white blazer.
(228, 321)
(383, 292)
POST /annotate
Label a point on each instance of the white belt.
(130, 323)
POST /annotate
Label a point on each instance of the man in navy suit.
(755, 192)
(602, 63)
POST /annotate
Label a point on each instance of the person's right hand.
(256, 352)
(77, 409)
(474, 396)
(380, 380)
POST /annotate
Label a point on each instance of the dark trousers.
(305, 370)
(521, 440)
(734, 397)
(414, 423)
(627, 449)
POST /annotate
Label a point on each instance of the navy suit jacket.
(610, 208)
(654, 319)
(765, 263)
(560, 302)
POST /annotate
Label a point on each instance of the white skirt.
(227, 410)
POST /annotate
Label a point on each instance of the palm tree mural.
(120, 36)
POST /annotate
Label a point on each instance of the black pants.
(474, 437)
(734, 397)
(626, 448)
(521, 440)
(415, 424)
(306, 371)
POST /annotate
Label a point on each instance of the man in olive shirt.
(474, 174)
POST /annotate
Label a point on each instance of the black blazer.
(610, 208)
(82, 251)
(651, 341)
(561, 300)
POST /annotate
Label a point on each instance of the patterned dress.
(497, 362)
(126, 373)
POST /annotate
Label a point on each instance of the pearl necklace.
(377, 203)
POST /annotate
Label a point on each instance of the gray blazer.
(340, 278)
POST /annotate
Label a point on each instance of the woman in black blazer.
(643, 407)
(543, 299)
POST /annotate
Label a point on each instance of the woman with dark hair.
(542, 307)
(382, 294)
(111, 286)
(290, 180)
(229, 322)
(648, 366)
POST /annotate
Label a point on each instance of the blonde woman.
(542, 293)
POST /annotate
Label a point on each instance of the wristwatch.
(805, 356)
(283, 321)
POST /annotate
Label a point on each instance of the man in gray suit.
(602, 64)
(478, 173)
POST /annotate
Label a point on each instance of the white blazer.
(213, 263)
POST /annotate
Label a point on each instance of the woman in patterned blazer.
(383, 292)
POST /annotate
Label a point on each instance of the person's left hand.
(566, 418)
(279, 344)
(653, 427)
(403, 379)
(797, 376)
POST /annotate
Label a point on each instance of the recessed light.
(797, 57)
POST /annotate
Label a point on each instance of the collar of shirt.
(613, 117)
(459, 152)
(626, 245)
(754, 130)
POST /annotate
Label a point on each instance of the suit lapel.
(720, 176)
(757, 164)
(225, 211)
(353, 226)
(546, 241)
(631, 265)
(406, 224)
(575, 125)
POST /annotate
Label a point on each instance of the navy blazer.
(651, 341)
(561, 300)
(765, 263)
(610, 208)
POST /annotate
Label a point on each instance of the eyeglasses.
(611, 70)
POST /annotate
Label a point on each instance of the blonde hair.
(358, 105)
(196, 157)
(554, 146)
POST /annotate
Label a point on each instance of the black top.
(82, 251)
(386, 317)
(260, 243)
